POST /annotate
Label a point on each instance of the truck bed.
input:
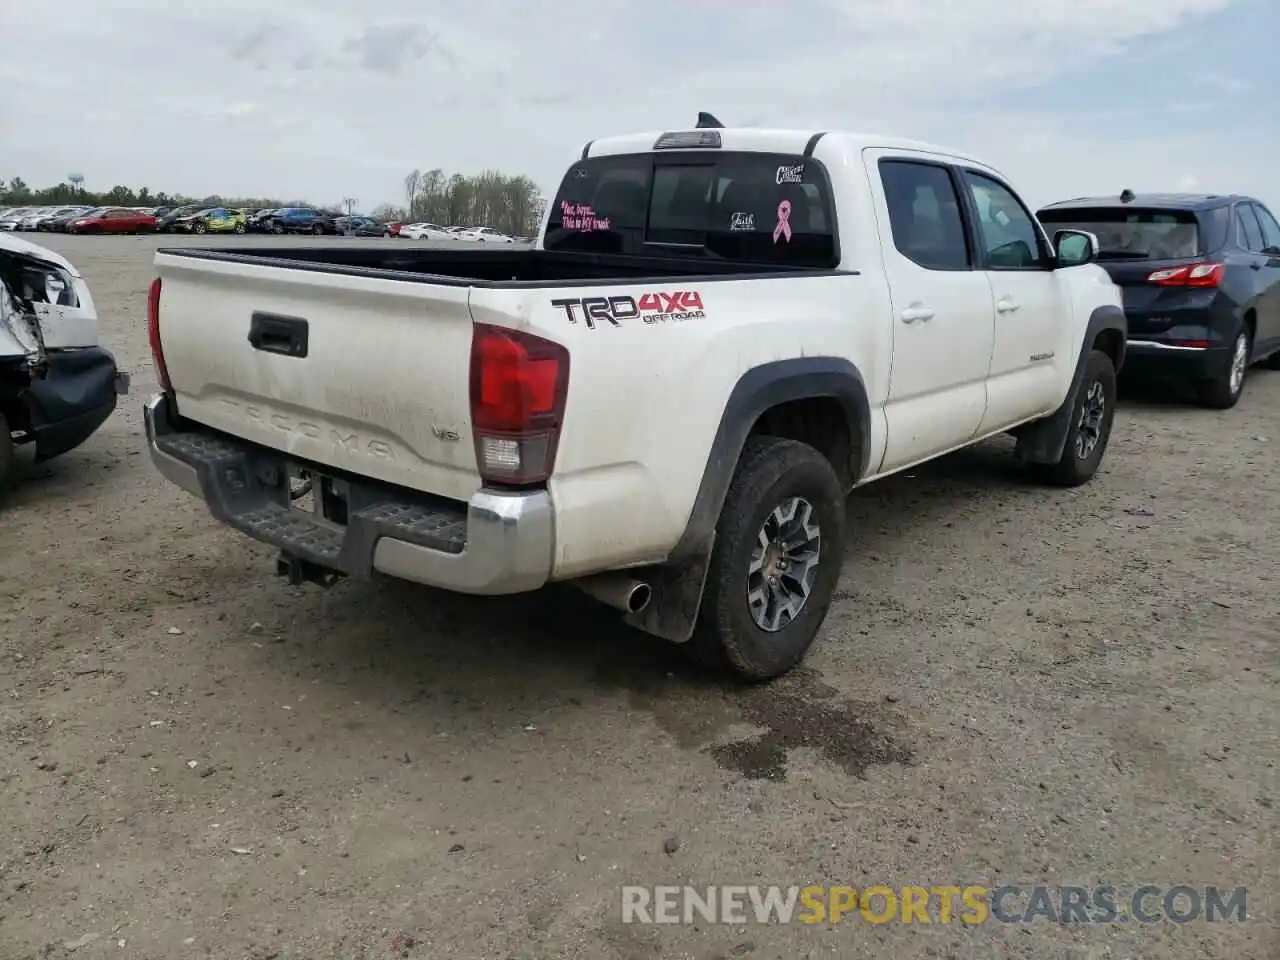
(521, 267)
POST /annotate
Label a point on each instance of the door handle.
(915, 313)
(273, 333)
(1005, 305)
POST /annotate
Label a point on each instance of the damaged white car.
(57, 383)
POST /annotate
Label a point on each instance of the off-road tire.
(726, 637)
(1072, 469)
(1217, 393)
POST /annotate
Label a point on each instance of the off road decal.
(660, 306)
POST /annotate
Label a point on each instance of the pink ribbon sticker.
(783, 229)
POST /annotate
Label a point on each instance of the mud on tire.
(774, 477)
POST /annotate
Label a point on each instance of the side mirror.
(1074, 247)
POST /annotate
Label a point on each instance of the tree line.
(511, 204)
(16, 192)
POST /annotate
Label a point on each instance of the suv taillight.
(519, 383)
(1189, 275)
(153, 335)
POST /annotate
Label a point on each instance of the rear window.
(747, 207)
(1126, 232)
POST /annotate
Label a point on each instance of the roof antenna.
(706, 120)
(1126, 195)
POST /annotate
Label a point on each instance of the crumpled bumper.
(74, 397)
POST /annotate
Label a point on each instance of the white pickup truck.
(664, 401)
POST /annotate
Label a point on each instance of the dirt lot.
(1016, 685)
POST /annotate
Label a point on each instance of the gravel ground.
(1016, 685)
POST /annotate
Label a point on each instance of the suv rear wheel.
(1223, 391)
(779, 544)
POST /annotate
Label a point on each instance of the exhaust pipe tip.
(639, 597)
(617, 590)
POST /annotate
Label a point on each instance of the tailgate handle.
(273, 333)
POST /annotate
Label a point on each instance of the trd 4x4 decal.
(658, 307)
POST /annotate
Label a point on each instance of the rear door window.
(1125, 233)
(1270, 229)
(745, 207)
(1250, 232)
(924, 214)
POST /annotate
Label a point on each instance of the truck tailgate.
(362, 374)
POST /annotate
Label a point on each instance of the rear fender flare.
(759, 389)
(1044, 440)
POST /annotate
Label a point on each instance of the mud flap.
(75, 395)
(677, 589)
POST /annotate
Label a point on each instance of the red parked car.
(394, 228)
(113, 220)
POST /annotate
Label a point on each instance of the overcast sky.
(323, 99)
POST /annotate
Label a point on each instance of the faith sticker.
(740, 222)
(791, 174)
(783, 229)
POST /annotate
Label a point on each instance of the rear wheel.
(318, 229)
(779, 543)
(239, 228)
(1223, 391)
(277, 228)
(200, 228)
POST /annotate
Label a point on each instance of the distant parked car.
(484, 235)
(212, 220)
(361, 227)
(165, 222)
(52, 220)
(301, 220)
(59, 224)
(260, 220)
(425, 231)
(1200, 276)
(14, 217)
(113, 220)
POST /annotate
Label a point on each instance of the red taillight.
(153, 334)
(518, 387)
(1189, 275)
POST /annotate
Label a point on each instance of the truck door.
(1033, 304)
(943, 309)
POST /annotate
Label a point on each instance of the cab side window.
(1007, 231)
(924, 214)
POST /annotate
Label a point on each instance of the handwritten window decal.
(581, 216)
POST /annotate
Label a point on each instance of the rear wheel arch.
(821, 401)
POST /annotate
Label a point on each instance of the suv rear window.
(1125, 232)
(748, 207)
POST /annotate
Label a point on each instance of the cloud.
(325, 98)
